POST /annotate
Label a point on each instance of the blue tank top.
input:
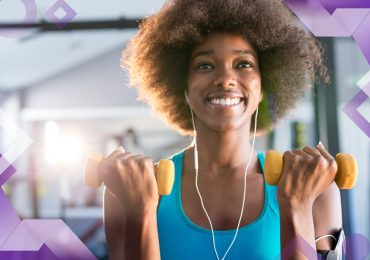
(180, 238)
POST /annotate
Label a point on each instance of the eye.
(244, 64)
(205, 66)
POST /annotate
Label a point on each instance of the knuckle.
(123, 163)
(331, 161)
(321, 163)
(148, 161)
(149, 164)
(318, 159)
(333, 164)
(287, 154)
(142, 165)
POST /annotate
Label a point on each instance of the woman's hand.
(131, 179)
(306, 174)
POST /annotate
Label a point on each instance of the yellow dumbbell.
(165, 172)
(346, 176)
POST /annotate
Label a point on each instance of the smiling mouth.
(226, 102)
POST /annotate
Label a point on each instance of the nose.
(225, 78)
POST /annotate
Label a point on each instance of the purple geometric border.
(33, 238)
(350, 109)
(31, 17)
(331, 18)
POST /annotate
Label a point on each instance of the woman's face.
(224, 82)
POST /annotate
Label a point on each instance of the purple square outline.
(68, 17)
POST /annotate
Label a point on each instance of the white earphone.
(186, 97)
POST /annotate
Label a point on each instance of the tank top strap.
(270, 189)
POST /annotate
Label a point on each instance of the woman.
(222, 71)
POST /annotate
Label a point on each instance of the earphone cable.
(245, 184)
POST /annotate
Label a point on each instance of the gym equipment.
(346, 176)
(165, 173)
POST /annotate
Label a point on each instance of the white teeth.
(225, 102)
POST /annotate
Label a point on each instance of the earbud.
(186, 97)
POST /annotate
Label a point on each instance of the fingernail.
(320, 144)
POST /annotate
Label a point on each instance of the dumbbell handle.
(165, 172)
(345, 178)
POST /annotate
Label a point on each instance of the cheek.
(196, 82)
(251, 82)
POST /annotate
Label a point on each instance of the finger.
(121, 149)
(299, 152)
(110, 180)
(311, 151)
(127, 155)
(114, 157)
(144, 158)
(320, 147)
(116, 153)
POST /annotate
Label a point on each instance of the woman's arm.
(297, 232)
(327, 216)
(114, 226)
(309, 202)
(129, 237)
(130, 206)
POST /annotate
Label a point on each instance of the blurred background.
(66, 89)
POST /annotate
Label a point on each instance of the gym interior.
(62, 87)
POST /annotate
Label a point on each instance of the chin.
(226, 127)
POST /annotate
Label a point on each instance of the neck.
(224, 151)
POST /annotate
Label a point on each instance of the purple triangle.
(361, 36)
(350, 19)
(332, 5)
(31, 234)
(8, 172)
(9, 219)
(314, 16)
(44, 253)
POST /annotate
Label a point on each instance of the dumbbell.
(345, 178)
(165, 173)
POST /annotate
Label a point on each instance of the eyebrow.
(209, 52)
